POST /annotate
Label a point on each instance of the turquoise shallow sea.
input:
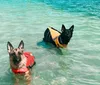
(26, 20)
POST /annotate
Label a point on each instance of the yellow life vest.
(54, 35)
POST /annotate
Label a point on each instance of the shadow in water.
(44, 45)
(50, 47)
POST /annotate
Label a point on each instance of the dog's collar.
(19, 71)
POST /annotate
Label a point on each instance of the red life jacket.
(30, 61)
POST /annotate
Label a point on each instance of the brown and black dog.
(21, 63)
(59, 39)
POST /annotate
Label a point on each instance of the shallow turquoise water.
(79, 64)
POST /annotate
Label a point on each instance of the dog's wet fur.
(18, 60)
(64, 37)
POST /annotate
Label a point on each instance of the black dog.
(59, 39)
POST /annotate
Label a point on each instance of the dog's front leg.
(28, 78)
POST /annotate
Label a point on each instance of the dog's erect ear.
(9, 47)
(71, 28)
(63, 28)
(21, 45)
